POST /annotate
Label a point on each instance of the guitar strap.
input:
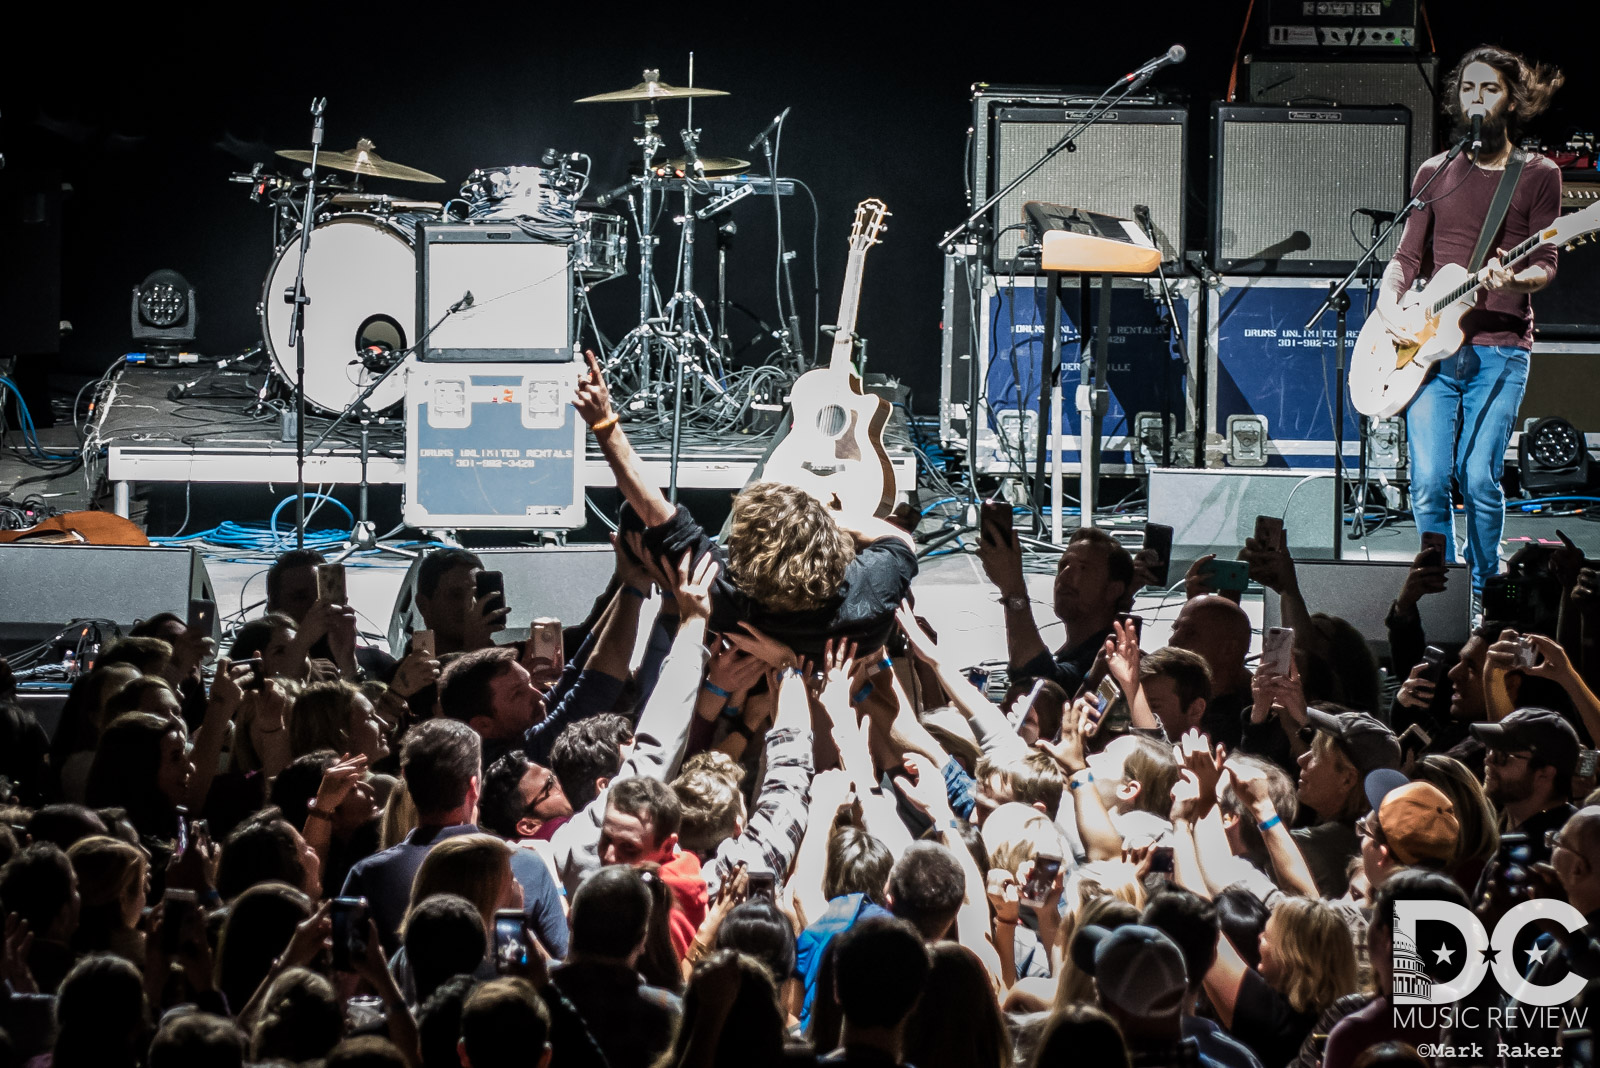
(1497, 209)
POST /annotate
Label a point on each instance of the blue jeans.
(1459, 424)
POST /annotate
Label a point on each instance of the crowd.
(784, 827)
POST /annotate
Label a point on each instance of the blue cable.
(310, 496)
(30, 433)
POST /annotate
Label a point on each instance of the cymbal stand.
(635, 342)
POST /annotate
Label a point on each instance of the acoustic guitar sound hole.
(832, 420)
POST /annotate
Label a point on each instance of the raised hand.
(1418, 689)
(1553, 661)
(1197, 580)
(924, 790)
(1250, 786)
(593, 396)
(692, 582)
(1186, 797)
(1000, 553)
(921, 643)
(1122, 656)
(1424, 577)
(415, 673)
(14, 950)
(734, 670)
(770, 650)
(838, 660)
(1068, 752)
(1193, 752)
(1005, 895)
(338, 781)
(631, 567)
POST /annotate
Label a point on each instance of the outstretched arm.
(593, 402)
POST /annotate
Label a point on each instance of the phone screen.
(1040, 880)
(763, 884)
(488, 583)
(510, 940)
(1159, 538)
(997, 513)
(349, 919)
(202, 615)
(330, 584)
(1277, 649)
(175, 908)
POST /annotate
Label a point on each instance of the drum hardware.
(297, 298)
(362, 160)
(789, 339)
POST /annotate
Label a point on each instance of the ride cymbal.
(362, 160)
(652, 88)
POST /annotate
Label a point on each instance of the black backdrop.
(145, 115)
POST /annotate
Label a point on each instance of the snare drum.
(600, 246)
(507, 192)
(361, 276)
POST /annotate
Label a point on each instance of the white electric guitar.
(1385, 375)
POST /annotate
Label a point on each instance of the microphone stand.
(1338, 299)
(364, 534)
(297, 334)
(792, 347)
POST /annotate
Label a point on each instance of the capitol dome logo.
(1483, 953)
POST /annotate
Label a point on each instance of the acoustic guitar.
(1384, 375)
(834, 449)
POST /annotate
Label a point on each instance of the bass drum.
(361, 276)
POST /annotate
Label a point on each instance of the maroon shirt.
(1446, 230)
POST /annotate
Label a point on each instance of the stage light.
(1552, 457)
(163, 312)
(1247, 441)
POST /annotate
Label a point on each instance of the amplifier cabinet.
(1135, 154)
(1371, 80)
(1286, 182)
(1266, 366)
(521, 288)
(1143, 378)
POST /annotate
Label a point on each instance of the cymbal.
(652, 88)
(715, 166)
(362, 160)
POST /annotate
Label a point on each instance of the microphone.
(771, 127)
(618, 193)
(464, 303)
(1139, 78)
(691, 158)
(1477, 136)
(1141, 215)
(725, 201)
(1375, 215)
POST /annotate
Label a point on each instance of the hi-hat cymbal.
(362, 160)
(652, 88)
(715, 167)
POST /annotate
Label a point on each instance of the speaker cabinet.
(1134, 155)
(1213, 511)
(45, 587)
(521, 289)
(1360, 592)
(1286, 182)
(1371, 81)
(554, 580)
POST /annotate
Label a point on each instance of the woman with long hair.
(82, 720)
(659, 961)
(957, 1024)
(1080, 1034)
(336, 715)
(474, 866)
(1479, 837)
(731, 1017)
(1307, 963)
(102, 1016)
(113, 878)
(257, 929)
(142, 766)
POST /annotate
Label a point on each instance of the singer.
(1461, 419)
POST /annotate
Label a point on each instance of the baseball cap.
(1137, 968)
(1417, 819)
(1368, 743)
(1551, 738)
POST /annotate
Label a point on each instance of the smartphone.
(330, 584)
(489, 583)
(1269, 532)
(1588, 759)
(422, 641)
(1227, 576)
(1040, 881)
(1107, 693)
(1161, 860)
(181, 846)
(1019, 710)
(1159, 538)
(1277, 650)
(1134, 620)
(1413, 740)
(253, 680)
(1568, 542)
(763, 884)
(1434, 657)
(176, 907)
(544, 640)
(202, 615)
(510, 940)
(1527, 655)
(997, 513)
(349, 916)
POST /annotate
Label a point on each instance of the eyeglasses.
(1552, 840)
(542, 796)
(1502, 757)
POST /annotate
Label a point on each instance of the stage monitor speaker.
(1214, 511)
(1360, 592)
(45, 587)
(963, 281)
(521, 288)
(1134, 155)
(553, 580)
(1286, 182)
(1376, 81)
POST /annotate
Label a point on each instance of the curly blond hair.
(784, 548)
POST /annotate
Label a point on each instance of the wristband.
(605, 424)
(712, 687)
(730, 710)
(636, 592)
(1074, 782)
(956, 825)
(861, 694)
(1269, 823)
(313, 812)
(886, 664)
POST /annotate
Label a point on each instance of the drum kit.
(360, 266)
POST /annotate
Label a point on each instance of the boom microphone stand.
(1339, 300)
(297, 334)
